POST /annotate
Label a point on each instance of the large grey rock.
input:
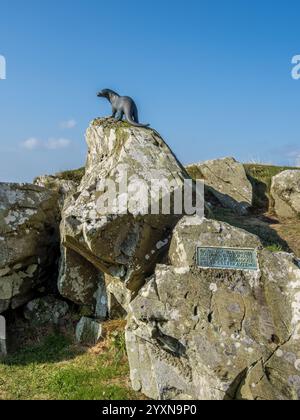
(217, 334)
(125, 246)
(63, 187)
(226, 179)
(285, 192)
(28, 241)
(46, 310)
(82, 283)
(88, 331)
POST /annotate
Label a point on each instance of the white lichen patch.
(182, 270)
(16, 218)
(297, 365)
(279, 353)
(296, 316)
(175, 315)
(213, 287)
(147, 291)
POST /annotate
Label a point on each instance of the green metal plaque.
(227, 258)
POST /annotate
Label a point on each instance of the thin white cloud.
(30, 144)
(69, 124)
(294, 156)
(51, 144)
(288, 155)
(55, 144)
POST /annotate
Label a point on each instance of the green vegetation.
(265, 173)
(261, 178)
(195, 172)
(274, 248)
(73, 175)
(111, 123)
(58, 369)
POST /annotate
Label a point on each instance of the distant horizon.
(188, 164)
(214, 79)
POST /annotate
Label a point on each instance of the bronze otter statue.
(122, 105)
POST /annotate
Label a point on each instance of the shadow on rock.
(259, 226)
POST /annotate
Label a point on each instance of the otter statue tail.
(135, 124)
(133, 118)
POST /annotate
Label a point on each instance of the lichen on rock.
(226, 179)
(29, 220)
(45, 310)
(285, 192)
(123, 245)
(216, 334)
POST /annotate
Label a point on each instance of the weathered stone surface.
(119, 298)
(63, 187)
(217, 334)
(28, 241)
(46, 310)
(285, 192)
(88, 331)
(82, 283)
(125, 246)
(226, 179)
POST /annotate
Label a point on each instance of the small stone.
(3, 348)
(88, 331)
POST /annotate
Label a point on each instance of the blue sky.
(213, 77)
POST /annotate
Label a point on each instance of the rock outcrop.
(63, 187)
(82, 283)
(122, 244)
(285, 192)
(214, 334)
(29, 243)
(46, 310)
(226, 179)
(88, 331)
(118, 296)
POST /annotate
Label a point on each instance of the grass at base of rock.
(58, 369)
